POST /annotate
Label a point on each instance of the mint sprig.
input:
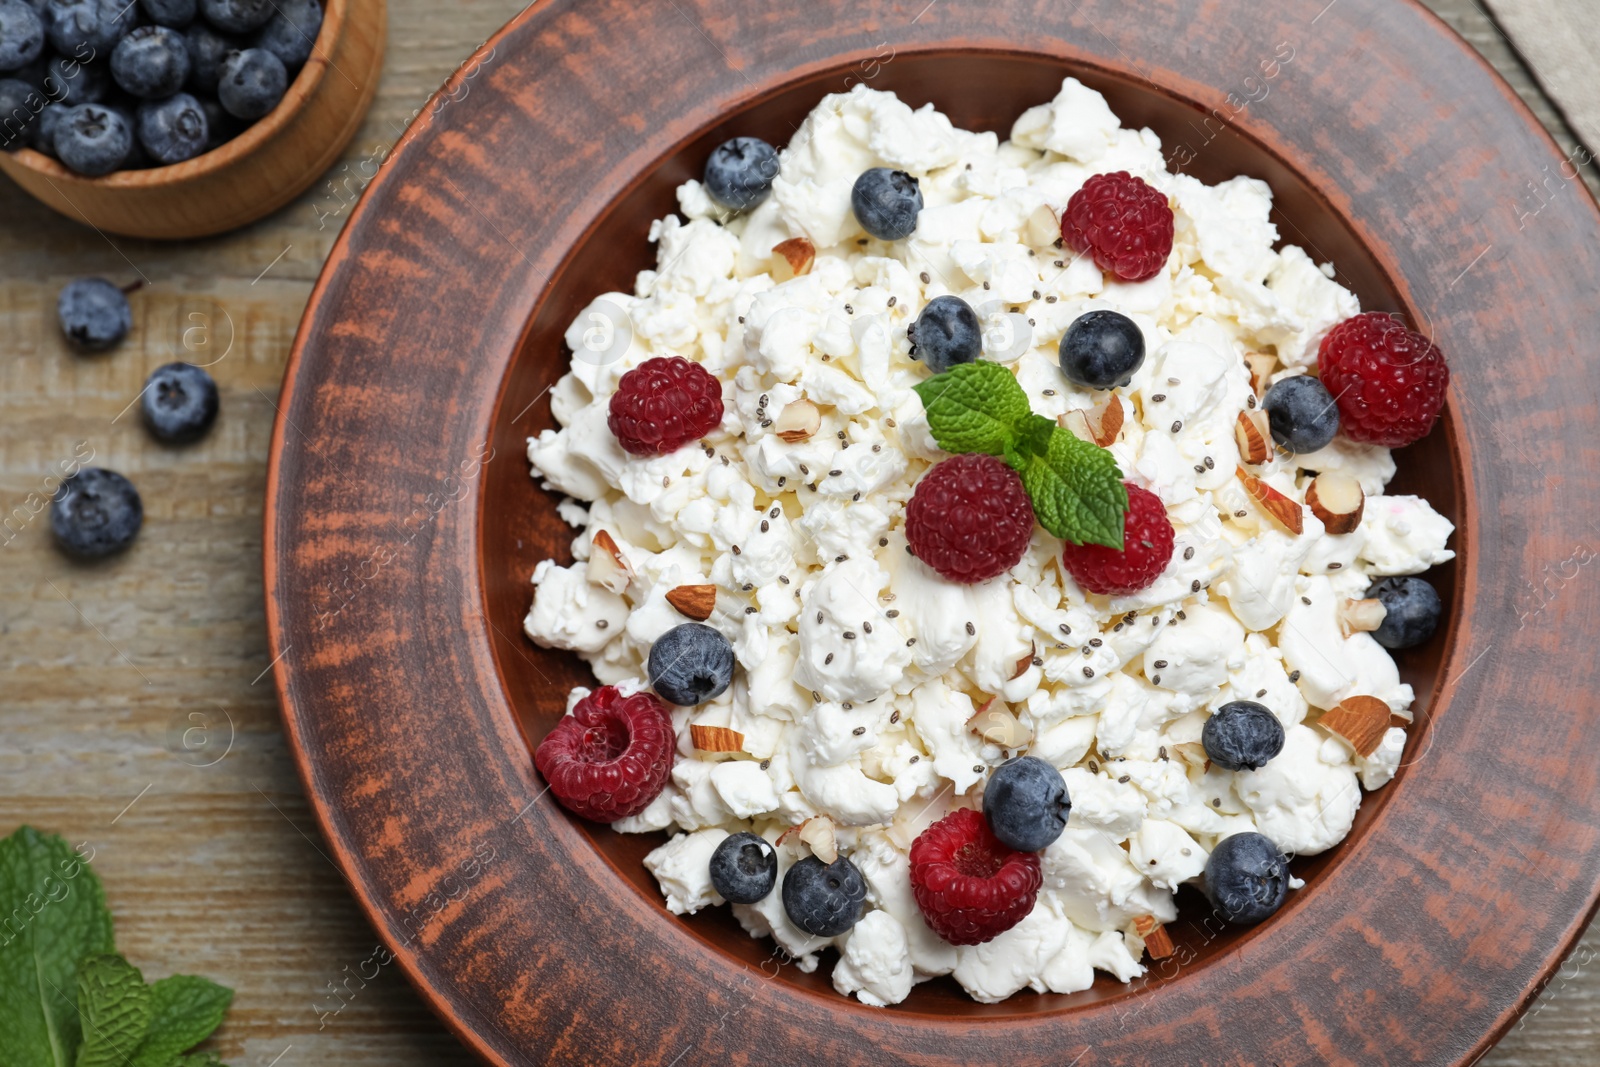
(1075, 486)
(66, 998)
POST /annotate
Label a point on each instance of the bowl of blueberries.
(181, 118)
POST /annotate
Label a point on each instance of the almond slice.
(694, 601)
(1260, 365)
(607, 566)
(1099, 425)
(1337, 500)
(1157, 941)
(716, 738)
(800, 253)
(996, 725)
(1253, 435)
(1025, 662)
(1285, 512)
(1361, 616)
(817, 833)
(1360, 720)
(797, 421)
(1043, 228)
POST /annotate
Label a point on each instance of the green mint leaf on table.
(975, 407)
(52, 914)
(1075, 486)
(1077, 491)
(114, 1007)
(185, 1010)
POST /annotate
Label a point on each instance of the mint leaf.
(52, 914)
(114, 1005)
(186, 1010)
(975, 407)
(1076, 488)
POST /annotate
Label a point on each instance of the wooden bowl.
(249, 177)
(402, 527)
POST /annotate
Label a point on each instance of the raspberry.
(1124, 222)
(970, 518)
(1146, 549)
(1388, 381)
(663, 404)
(970, 887)
(611, 757)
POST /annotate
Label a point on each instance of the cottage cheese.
(804, 542)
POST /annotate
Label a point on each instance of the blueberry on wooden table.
(207, 51)
(72, 83)
(1247, 878)
(252, 83)
(886, 203)
(94, 140)
(95, 513)
(151, 62)
(94, 314)
(19, 107)
(1242, 736)
(1412, 610)
(179, 403)
(21, 35)
(173, 130)
(744, 868)
(291, 33)
(237, 16)
(739, 172)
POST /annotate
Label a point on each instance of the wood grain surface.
(134, 714)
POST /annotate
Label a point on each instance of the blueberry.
(886, 203)
(44, 129)
(1302, 413)
(824, 899)
(253, 81)
(1026, 804)
(237, 16)
(152, 62)
(94, 314)
(946, 333)
(1101, 350)
(690, 664)
(174, 13)
(292, 32)
(207, 51)
(93, 139)
(20, 105)
(1242, 736)
(739, 172)
(1247, 878)
(21, 35)
(1411, 611)
(744, 868)
(95, 513)
(88, 29)
(174, 129)
(72, 83)
(221, 127)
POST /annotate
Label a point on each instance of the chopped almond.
(716, 738)
(818, 835)
(1337, 500)
(1253, 436)
(1099, 425)
(800, 253)
(1260, 366)
(1284, 511)
(797, 421)
(607, 566)
(1025, 662)
(996, 725)
(1360, 720)
(1157, 941)
(694, 601)
(1361, 616)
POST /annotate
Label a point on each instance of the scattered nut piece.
(1100, 424)
(607, 566)
(1361, 616)
(1157, 941)
(1043, 228)
(797, 421)
(817, 833)
(694, 601)
(716, 738)
(1285, 512)
(1025, 662)
(800, 253)
(996, 725)
(1253, 436)
(1360, 720)
(1337, 500)
(1260, 365)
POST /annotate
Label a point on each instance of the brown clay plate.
(402, 526)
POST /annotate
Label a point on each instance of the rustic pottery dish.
(402, 528)
(249, 177)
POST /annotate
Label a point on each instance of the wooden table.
(136, 713)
